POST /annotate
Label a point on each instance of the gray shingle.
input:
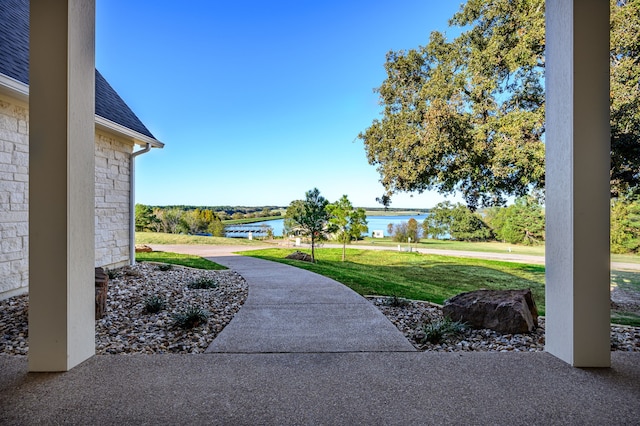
(14, 63)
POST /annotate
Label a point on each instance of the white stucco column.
(577, 194)
(61, 184)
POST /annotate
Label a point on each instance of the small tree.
(310, 216)
(348, 223)
(405, 230)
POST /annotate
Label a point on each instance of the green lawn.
(629, 281)
(416, 276)
(162, 238)
(178, 259)
(434, 278)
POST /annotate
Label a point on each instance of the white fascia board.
(137, 138)
(14, 88)
(19, 90)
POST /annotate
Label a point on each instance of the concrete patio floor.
(324, 388)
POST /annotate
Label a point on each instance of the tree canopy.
(467, 115)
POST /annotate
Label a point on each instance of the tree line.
(520, 223)
(194, 220)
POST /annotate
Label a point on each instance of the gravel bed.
(411, 316)
(128, 329)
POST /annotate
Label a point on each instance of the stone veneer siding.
(112, 198)
(14, 190)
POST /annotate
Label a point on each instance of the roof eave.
(137, 138)
(20, 91)
(12, 87)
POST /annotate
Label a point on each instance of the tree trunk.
(313, 257)
(344, 249)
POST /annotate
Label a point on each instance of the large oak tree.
(467, 115)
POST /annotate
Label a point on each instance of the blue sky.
(258, 101)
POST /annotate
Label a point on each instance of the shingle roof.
(14, 63)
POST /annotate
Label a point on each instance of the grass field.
(435, 278)
(178, 259)
(416, 276)
(162, 238)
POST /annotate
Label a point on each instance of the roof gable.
(14, 63)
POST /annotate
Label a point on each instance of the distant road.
(505, 257)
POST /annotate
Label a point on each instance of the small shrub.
(435, 331)
(396, 301)
(203, 283)
(154, 304)
(112, 274)
(192, 317)
(165, 267)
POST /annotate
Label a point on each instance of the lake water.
(375, 223)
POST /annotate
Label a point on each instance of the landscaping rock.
(141, 248)
(505, 311)
(298, 255)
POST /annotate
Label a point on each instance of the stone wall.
(14, 190)
(112, 198)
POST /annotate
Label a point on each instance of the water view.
(375, 223)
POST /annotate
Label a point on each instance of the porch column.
(577, 194)
(61, 184)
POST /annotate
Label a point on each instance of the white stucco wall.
(111, 193)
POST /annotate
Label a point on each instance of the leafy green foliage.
(144, 218)
(309, 217)
(520, 223)
(458, 221)
(625, 96)
(191, 317)
(408, 231)
(625, 225)
(468, 114)
(154, 304)
(346, 222)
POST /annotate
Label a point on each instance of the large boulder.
(505, 311)
(298, 255)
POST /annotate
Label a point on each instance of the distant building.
(377, 234)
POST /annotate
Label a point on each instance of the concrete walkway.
(292, 310)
